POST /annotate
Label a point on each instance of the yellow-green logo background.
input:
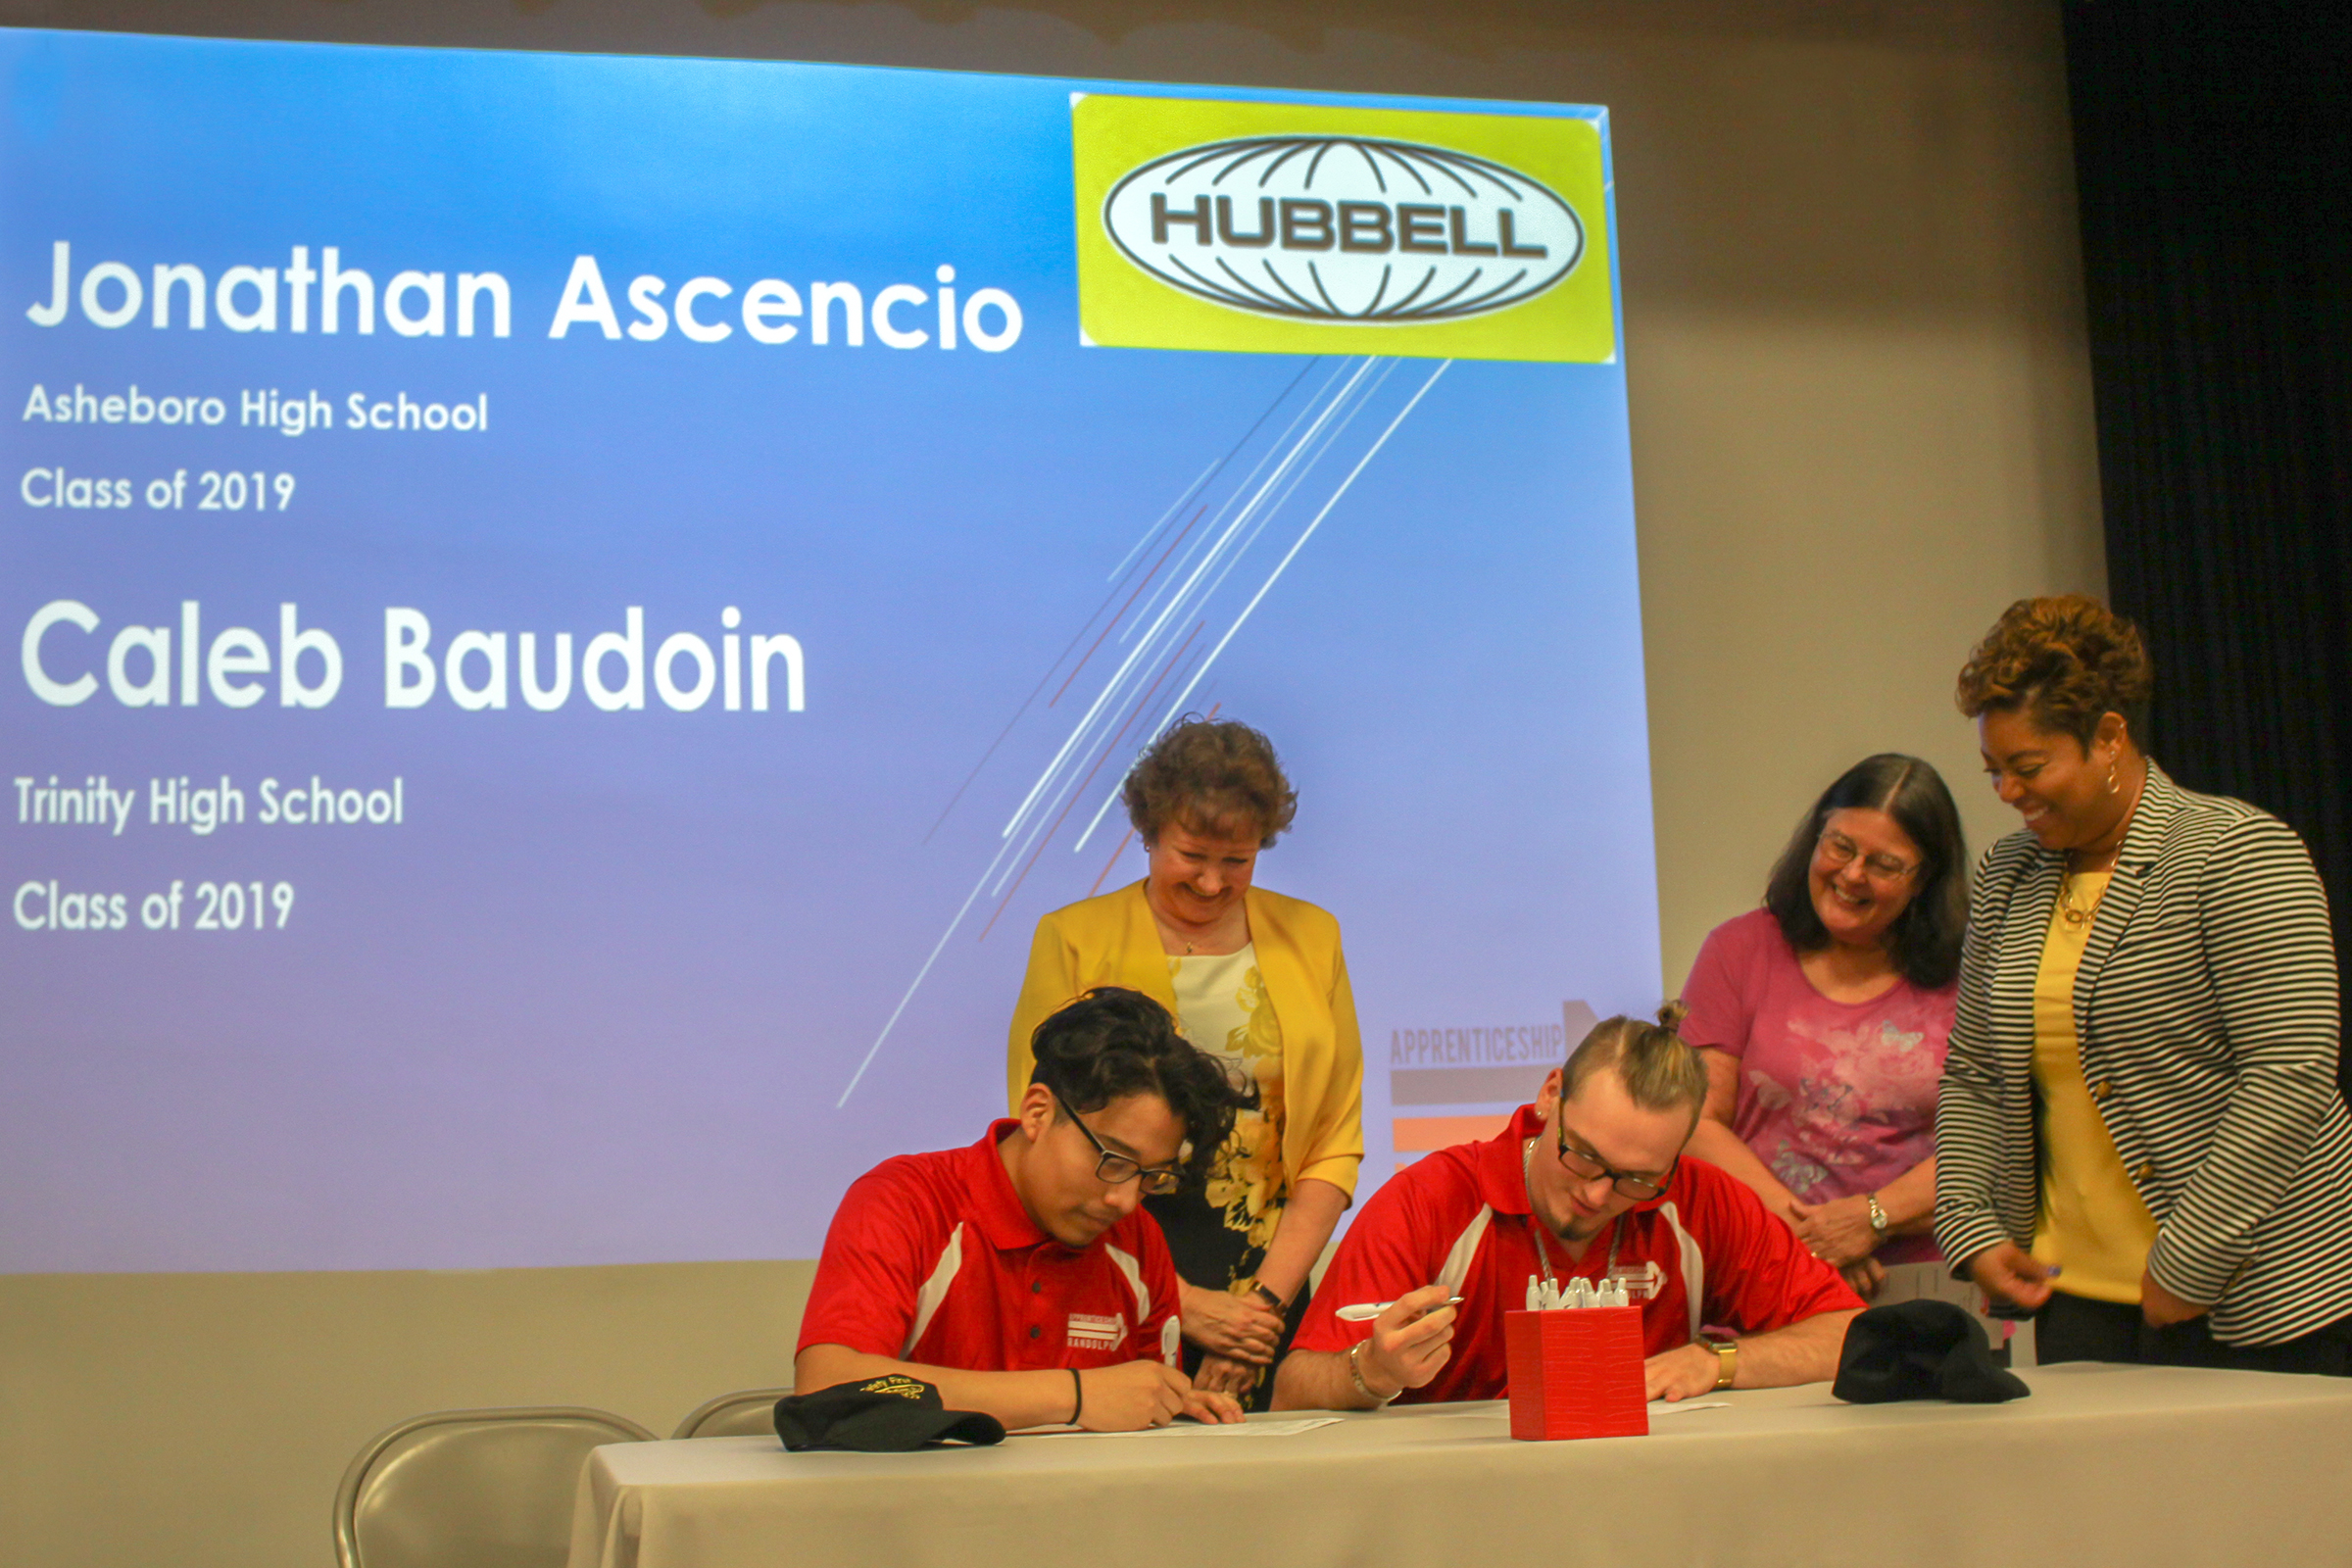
(1122, 306)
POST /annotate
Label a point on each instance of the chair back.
(470, 1488)
(748, 1413)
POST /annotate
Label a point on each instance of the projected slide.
(569, 615)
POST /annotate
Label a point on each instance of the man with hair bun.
(1018, 1276)
(1589, 1182)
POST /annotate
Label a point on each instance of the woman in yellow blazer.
(1255, 978)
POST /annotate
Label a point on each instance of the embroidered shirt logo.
(1099, 1333)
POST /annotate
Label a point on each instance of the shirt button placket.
(1037, 1299)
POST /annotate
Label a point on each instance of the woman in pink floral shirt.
(1823, 1016)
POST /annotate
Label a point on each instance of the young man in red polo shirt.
(1019, 1275)
(1588, 1181)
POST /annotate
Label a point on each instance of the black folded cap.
(1921, 1350)
(888, 1414)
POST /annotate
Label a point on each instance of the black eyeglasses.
(1586, 1166)
(1112, 1170)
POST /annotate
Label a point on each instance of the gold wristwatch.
(1727, 1353)
(1253, 1287)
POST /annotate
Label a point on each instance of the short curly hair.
(1215, 776)
(1112, 1042)
(2066, 662)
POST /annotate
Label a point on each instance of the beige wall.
(1861, 426)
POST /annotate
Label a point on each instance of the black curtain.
(2213, 152)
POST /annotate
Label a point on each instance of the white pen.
(1367, 1311)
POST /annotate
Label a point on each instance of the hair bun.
(1671, 1017)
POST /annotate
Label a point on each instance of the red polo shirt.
(1459, 1218)
(932, 1260)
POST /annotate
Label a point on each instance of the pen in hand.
(1367, 1311)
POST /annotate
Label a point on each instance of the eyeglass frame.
(1873, 865)
(1651, 1189)
(1142, 1173)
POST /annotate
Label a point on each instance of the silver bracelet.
(1355, 1375)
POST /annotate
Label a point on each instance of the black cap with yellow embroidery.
(888, 1414)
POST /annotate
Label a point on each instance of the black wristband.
(1078, 1407)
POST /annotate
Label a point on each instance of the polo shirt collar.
(995, 1207)
(1501, 1163)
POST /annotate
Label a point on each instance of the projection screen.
(572, 613)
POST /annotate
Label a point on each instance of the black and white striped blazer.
(2206, 1006)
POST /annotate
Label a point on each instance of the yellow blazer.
(1112, 941)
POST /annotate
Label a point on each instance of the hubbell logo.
(1344, 229)
(1309, 228)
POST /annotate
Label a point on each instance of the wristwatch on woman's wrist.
(1878, 1215)
(1257, 1286)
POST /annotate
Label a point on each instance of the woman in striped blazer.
(2139, 1132)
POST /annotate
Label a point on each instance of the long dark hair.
(1925, 938)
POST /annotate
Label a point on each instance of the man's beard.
(1576, 1232)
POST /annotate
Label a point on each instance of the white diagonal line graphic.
(1284, 564)
(1309, 533)
(1127, 666)
(1271, 454)
(1200, 570)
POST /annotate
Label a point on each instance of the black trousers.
(2073, 1328)
(1209, 1253)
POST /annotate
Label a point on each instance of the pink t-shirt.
(1835, 1098)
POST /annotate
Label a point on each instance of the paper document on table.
(1658, 1407)
(1242, 1429)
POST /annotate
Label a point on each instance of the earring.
(2111, 775)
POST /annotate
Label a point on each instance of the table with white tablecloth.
(2103, 1464)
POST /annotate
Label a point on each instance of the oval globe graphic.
(1343, 229)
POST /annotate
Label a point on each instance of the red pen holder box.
(1576, 1373)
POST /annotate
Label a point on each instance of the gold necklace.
(1534, 1221)
(2076, 915)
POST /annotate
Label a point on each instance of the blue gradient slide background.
(604, 994)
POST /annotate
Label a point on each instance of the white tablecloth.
(2127, 1465)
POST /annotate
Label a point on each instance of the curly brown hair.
(1112, 1042)
(1218, 777)
(2066, 661)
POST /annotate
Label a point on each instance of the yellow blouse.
(1113, 939)
(2093, 1221)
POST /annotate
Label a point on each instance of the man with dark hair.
(1018, 1275)
(1590, 1183)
